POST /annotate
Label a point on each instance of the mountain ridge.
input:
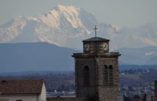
(67, 25)
(139, 56)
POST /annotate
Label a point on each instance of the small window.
(86, 76)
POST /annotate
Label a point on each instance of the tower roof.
(96, 39)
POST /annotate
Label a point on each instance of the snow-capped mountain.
(59, 26)
(67, 26)
(63, 25)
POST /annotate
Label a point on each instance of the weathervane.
(95, 30)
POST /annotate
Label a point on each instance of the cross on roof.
(95, 30)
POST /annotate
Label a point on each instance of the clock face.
(105, 46)
(87, 47)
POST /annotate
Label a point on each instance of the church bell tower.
(96, 71)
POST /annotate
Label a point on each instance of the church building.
(96, 72)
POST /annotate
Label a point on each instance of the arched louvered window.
(105, 75)
(86, 77)
(108, 75)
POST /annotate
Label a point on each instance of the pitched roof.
(20, 87)
(95, 39)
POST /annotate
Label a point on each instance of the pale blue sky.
(129, 13)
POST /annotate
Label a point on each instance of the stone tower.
(97, 74)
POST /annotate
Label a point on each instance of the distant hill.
(19, 57)
(35, 57)
(138, 56)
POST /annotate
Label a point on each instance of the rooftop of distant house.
(20, 87)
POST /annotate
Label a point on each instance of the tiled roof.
(20, 87)
(95, 39)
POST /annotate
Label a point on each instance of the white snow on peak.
(150, 41)
(54, 17)
(114, 28)
(51, 18)
(11, 31)
(33, 18)
(149, 53)
(72, 15)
